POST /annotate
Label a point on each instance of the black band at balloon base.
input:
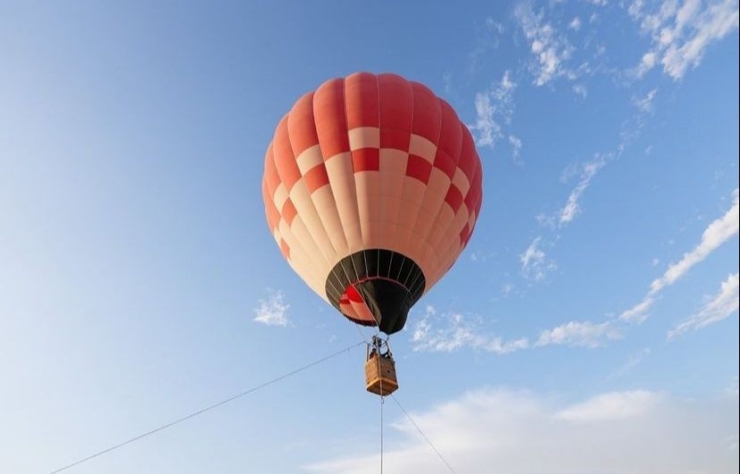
(388, 282)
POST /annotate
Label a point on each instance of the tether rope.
(423, 435)
(382, 402)
(208, 408)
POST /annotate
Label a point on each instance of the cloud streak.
(722, 305)
(572, 207)
(716, 233)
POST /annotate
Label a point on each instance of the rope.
(208, 408)
(382, 402)
(423, 435)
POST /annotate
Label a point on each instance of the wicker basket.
(380, 375)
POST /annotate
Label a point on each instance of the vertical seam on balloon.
(323, 259)
(442, 263)
(441, 268)
(290, 235)
(400, 269)
(380, 145)
(354, 173)
(448, 261)
(350, 250)
(338, 257)
(314, 238)
(423, 238)
(408, 157)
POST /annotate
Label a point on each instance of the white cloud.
(516, 146)
(448, 333)
(681, 31)
(580, 90)
(549, 48)
(647, 63)
(610, 406)
(645, 104)
(273, 311)
(639, 312)
(493, 430)
(632, 128)
(575, 333)
(572, 207)
(575, 24)
(535, 264)
(493, 109)
(722, 305)
(716, 233)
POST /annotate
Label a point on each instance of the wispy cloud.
(535, 263)
(273, 311)
(682, 31)
(722, 305)
(632, 128)
(639, 312)
(633, 361)
(610, 406)
(491, 427)
(516, 146)
(716, 233)
(549, 48)
(494, 108)
(451, 332)
(575, 24)
(572, 207)
(580, 90)
(645, 104)
(577, 333)
(587, 171)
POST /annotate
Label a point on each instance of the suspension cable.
(382, 402)
(208, 408)
(439, 455)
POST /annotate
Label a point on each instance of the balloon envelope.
(372, 188)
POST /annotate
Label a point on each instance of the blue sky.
(591, 325)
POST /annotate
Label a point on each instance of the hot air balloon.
(372, 189)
